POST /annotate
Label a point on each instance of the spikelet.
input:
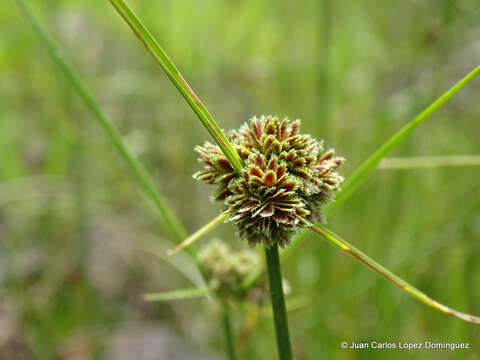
(225, 271)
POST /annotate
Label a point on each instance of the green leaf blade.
(108, 127)
(387, 274)
(161, 57)
(182, 294)
(370, 164)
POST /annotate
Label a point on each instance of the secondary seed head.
(226, 270)
(286, 178)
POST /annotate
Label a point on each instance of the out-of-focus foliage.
(74, 227)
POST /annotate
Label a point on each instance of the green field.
(80, 243)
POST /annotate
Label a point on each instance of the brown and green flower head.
(226, 270)
(286, 179)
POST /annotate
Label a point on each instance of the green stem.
(325, 69)
(278, 303)
(110, 130)
(178, 81)
(369, 165)
(176, 294)
(198, 234)
(387, 274)
(227, 328)
(292, 304)
(428, 162)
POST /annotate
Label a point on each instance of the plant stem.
(178, 81)
(369, 165)
(387, 274)
(227, 328)
(325, 69)
(250, 323)
(429, 162)
(176, 294)
(198, 234)
(278, 303)
(110, 130)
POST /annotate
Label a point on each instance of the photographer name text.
(406, 345)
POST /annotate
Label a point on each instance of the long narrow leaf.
(428, 162)
(178, 81)
(107, 125)
(198, 234)
(370, 164)
(176, 294)
(372, 264)
(157, 246)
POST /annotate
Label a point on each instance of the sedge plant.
(145, 180)
(253, 190)
(265, 191)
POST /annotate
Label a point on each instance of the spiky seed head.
(226, 270)
(286, 178)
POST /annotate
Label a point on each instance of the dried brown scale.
(192, 93)
(286, 178)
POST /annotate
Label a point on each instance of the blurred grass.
(69, 260)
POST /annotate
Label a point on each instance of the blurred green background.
(79, 243)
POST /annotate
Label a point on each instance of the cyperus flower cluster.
(226, 271)
(286, 178)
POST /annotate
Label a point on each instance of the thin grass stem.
(182, 294)
(107, 125)
(198, 234)
(292, 304)
(429, 162)
(227, 328)
(161, 57)
(370, 164)
(387, 274)
(278, 303)
(254, 313)
(250, 323)
(325, 69)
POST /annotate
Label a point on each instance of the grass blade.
(178, 81)
(382, 271)
(291, 304)
(369, 165)
(156, 246)
(227, 329)
(198, 234)
(428, 162)
(110, 130)
(176, 294)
